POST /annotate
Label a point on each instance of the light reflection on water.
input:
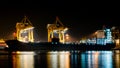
(60, 59)
(116, 59)
(97, 59)
(23, 59)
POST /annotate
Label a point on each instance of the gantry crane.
(56, 28)
(24, 30)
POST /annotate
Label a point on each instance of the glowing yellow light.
(117, 42)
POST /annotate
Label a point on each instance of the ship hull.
(15, 45)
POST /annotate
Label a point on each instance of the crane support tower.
(56, 30)
(24, 30)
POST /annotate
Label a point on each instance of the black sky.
(81, 20)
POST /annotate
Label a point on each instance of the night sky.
(80, 19)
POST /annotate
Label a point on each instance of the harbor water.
(60, 59)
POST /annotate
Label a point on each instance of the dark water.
(60, 59)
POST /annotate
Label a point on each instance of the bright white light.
(66, 29)
(28, 28)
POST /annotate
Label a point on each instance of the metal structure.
(24, 30)
(56, 30)
(116, 35)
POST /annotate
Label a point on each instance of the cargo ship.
(15, 45)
